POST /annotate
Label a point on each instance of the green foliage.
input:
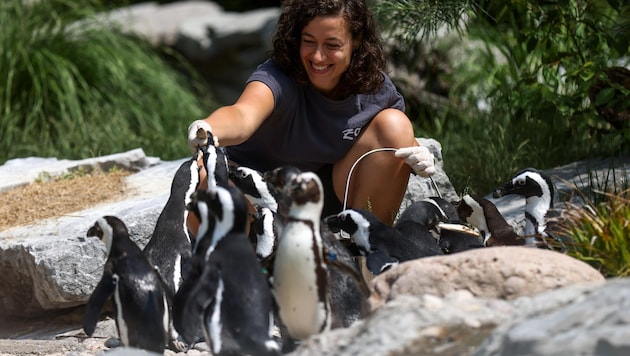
(531, 64)
(601, 234)
(411, 20)
(81, 89)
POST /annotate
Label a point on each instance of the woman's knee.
(391, 127)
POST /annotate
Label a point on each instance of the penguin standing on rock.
(228, 293)
(538, 191)
(140, 297)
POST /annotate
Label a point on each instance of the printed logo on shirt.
(351, 134)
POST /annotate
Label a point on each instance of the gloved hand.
(198, 135)
(419, 158)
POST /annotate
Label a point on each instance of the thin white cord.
(345, 193)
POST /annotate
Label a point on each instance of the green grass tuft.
(75, 89)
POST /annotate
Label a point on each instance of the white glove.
(419, 158)
(198, 135)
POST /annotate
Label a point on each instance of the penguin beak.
(503, 190)
(333, 222)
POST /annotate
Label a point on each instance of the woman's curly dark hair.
(365, 74)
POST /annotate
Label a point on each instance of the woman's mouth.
(319, 68)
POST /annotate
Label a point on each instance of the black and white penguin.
(215, 162)
(169, 248)
(227, 293)
(300, 273)
(263, 230)
(300, 202)
(538, 191)
(382, 245)
(484, 215)
(252, 183)
(140, 296)
(418, 223)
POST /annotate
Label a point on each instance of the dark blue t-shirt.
(307, 129)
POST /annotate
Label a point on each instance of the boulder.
(505, 272)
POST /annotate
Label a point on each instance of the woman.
(319, 103)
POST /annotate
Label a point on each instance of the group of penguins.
(258, 284)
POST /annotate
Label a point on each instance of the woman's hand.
(419, 158)
(198, 133)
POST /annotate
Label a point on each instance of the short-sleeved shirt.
(305, 128)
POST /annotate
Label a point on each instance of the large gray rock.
(596, 321)
(423, 325)
(496, 272)
(50, 265)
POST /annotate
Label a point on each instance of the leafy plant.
(73, 86)
(601, 234)
(521, 78)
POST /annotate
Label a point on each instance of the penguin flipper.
(378, 262)
(104, 289)
(191, 301)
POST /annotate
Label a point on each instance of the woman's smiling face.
(325, 50)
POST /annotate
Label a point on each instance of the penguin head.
(252, 183)
(424, 212)
(245, 178)
(107, 228)
(528, 182)
(357, 223)
(306, 193)
(448, 209)
(278, 178)
(215, 163)
(220, 210)
(471, 211)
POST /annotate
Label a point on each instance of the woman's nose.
(319, 54)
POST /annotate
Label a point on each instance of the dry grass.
(41, 200)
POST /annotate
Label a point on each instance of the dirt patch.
(46, 199)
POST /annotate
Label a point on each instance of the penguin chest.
(299, 281)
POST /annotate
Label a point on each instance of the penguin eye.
(519, 181)
(243, 174)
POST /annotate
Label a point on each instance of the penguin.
(307, 303)
(140, 296)
(538, 191)
(229, 295)
(170, 246)
(484, 215)
(263, 229)
(383, 246)
(215, 161)
(300, 274)
(252, 183)
(418, 223)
